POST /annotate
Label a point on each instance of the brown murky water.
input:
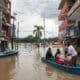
(28, 66)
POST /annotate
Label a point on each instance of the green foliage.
(50, 39)
(30, 39)
(38, 34)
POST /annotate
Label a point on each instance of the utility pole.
(44, 28)
(17, 35)
(18, 27)
(12, 37)
(13, 31)
(0, 22)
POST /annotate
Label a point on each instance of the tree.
(38, 33)
(29, 38)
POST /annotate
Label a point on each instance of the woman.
(49, 54)
(59, 58)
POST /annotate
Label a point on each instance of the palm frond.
(35, 26)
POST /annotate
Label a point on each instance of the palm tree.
(38, 33)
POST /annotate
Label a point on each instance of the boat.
(8, 53)
(70, 69)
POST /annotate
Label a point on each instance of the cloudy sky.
(33, 12)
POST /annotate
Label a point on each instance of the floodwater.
(27, 65)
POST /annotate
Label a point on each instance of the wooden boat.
(73, 70)
(8, 53)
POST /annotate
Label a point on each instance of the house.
(5, 23)
(70, 17)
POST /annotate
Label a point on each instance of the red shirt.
(57, 59)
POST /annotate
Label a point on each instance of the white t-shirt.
(72, 51)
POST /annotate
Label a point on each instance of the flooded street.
(27, 65)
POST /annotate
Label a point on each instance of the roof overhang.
(74, 13)
(61, 4)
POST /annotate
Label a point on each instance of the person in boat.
(73, 53)
(57, 52)
(68, 58)
(59, 58)
(49, 54)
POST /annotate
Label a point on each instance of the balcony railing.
(5, 9)
(61, 4)
(76, 5)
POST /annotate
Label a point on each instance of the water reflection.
(49, 70)
(59, 75)
(7, 66)
(28, 66)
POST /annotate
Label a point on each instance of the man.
(73, 53)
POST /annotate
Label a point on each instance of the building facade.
(70, 17)
(5, 22)
(63, 7)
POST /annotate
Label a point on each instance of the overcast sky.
(31, 12)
